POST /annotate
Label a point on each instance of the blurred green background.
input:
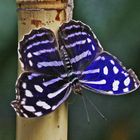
(117, 26)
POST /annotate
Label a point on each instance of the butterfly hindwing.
(38, 52)
(80, 43)
(106, 75)
(39, 94)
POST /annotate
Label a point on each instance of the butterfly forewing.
(39, 94)
(106, 75)
(38, 52)
(80, 43)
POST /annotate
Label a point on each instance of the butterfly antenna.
(85, 106)
(96, 108)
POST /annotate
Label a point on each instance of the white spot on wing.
(43, 105)
(28, 93)
(38, 114)
(29, 55)
(105, 70)
(24, 85)
(23, 101)
(29, 108)
(30, 63)
(112, 62)
(88, 40)
(93, 48)
(125, 90)
(115, 70)
(103, 58)
(125, 74)
(115, 85)
(127, 81)
(38, 88)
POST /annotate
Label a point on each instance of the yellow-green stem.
(51, 14)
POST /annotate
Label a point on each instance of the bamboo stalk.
(51, 14)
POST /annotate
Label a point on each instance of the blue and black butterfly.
(54, 68)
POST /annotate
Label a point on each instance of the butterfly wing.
(38, 94)
(38, 52)
(80, 43)
(40, 90)
(106, 75)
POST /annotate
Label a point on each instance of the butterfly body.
(72, 78)
(52, 72)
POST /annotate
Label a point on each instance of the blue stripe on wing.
(80, 43)
(38, 52)
(106, 75)
(39, 94)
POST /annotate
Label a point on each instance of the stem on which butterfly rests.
(35, 14)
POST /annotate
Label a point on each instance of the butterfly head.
(77, 89)
(76, 86)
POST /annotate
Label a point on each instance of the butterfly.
(53, 68)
